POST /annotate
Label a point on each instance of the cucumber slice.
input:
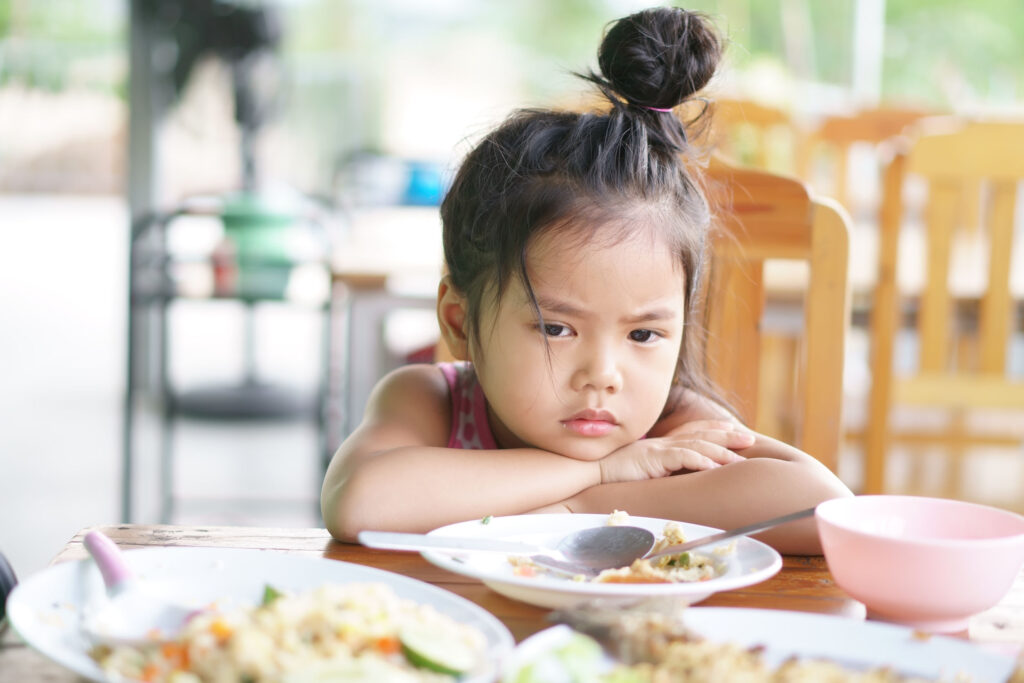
(436, 650)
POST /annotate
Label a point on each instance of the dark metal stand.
(152, 289)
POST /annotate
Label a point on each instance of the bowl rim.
(824, 514)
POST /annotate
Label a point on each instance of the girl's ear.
(452, 315)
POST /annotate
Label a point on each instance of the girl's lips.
(591, 423)
(589, 427)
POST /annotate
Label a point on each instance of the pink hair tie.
(659, 109)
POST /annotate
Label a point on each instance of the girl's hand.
(698, 445)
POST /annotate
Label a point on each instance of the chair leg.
(956, 455)
(324, 400)
(128, 420)
(167, 410)
(167, 470)
(776, 387)
(876, 446)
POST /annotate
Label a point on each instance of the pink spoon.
(135, 611)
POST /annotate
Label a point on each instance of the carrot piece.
(175, 654)
(387, 645)
(150, 673)
(221, 629)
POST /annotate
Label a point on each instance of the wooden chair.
(762, 216)
(826, 152)
(962, 337)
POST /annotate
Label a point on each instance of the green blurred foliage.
(58, 44)
(946, 51)
(938, 52)
(563, 31)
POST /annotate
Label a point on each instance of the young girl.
(574, 246)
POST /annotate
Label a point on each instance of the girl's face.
(597, 375)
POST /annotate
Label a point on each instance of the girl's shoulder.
(415, 382)
(414, 395)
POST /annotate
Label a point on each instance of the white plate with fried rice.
(737, 563)
(48, 608)
(747, 644)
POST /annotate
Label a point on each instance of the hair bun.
(660, 57)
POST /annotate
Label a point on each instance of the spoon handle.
(108, 559)
(398, 541)
(739, 531)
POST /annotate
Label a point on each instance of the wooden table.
(804, 584)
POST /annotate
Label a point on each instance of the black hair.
(545, 169)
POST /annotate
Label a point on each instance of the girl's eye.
(555, 330)
(642, 336)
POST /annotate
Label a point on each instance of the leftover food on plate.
(578, 660)
(663, 641)
(650, 643)
(682, 568)
(337, 632)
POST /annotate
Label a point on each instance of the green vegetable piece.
(579, 660)
(581, 657)
(624, 676)
(270, 594)
(487, 519)
(436, 650)
(682, 560)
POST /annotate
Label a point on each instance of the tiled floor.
(62, 304)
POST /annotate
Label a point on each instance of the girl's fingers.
(712, 425)
(706, 455)
(720, 454)
(728, 439)
(695, 461)
(703, 425)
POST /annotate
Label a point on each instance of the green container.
(259, 232)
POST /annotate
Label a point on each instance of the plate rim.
(79, 662)
(549, 585)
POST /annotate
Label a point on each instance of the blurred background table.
(389, 260)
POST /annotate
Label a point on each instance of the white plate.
(851, 643)
(751, 563)
(46, 608)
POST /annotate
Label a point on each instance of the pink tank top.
(470, 428)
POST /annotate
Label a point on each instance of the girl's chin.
(589, 450)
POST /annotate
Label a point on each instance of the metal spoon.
(731, 533)
(586, 551)
(136, 610)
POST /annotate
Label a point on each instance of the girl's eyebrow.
(655, 314)
(560, 307)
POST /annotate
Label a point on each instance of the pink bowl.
(928, 563)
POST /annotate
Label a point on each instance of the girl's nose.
(598, 370)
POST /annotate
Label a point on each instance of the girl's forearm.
(727, 497)
(417, 488)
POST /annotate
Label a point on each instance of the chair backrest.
(955, 161)
(836, 136)
(761, 217)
